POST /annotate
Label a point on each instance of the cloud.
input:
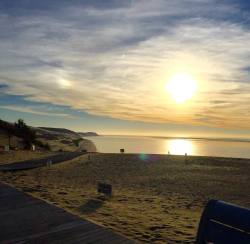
(33, 110)
(115, 61)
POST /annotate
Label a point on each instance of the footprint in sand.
(62, 193)
(146, 236)
(189, 226)
(180, 233)
(157, 227)
(155, 239)
(122, 200)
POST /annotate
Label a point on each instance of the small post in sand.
(49, 163)
(186, 158)
(6, 148)
(122, 150)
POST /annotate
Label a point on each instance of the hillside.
(59, 130)
(55, 139)
(63, 139)
(17, 135)
(88, 134)
(15, 141)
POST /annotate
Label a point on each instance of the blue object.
(224, 223)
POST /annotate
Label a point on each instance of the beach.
(156, 198)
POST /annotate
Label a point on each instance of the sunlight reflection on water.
(179, 147)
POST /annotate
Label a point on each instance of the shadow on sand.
(92, 205)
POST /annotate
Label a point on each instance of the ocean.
(174, 146)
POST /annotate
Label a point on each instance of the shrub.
(25, 132)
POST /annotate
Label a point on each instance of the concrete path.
(25, 219)
(35, 163)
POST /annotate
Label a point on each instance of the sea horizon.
(172, 145)
(232, 139)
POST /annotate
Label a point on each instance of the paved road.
(35, 163)
(25, 219)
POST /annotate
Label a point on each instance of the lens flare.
(143, 157)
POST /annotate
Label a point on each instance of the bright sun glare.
(180, 147)
(181, 87)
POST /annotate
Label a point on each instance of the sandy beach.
(156, 198)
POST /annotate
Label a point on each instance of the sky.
(103, 66)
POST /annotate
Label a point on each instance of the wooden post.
(49, 163)
(9, 138)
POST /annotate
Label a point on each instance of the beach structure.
(186, 158)
(49, 163)
(224, 223)
(33, 147)
(105, 189)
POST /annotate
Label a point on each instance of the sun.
(181, 87)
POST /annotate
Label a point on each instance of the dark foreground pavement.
(25, 219)
(35, 163)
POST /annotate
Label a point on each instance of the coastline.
(88, 145)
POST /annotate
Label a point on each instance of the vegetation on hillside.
(60, 130)
(77, 141)
(53, 139)
(25, 132)
(22, 130)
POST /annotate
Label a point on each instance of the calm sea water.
(148, 145)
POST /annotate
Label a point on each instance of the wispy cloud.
(33, 110)
(114, 61)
